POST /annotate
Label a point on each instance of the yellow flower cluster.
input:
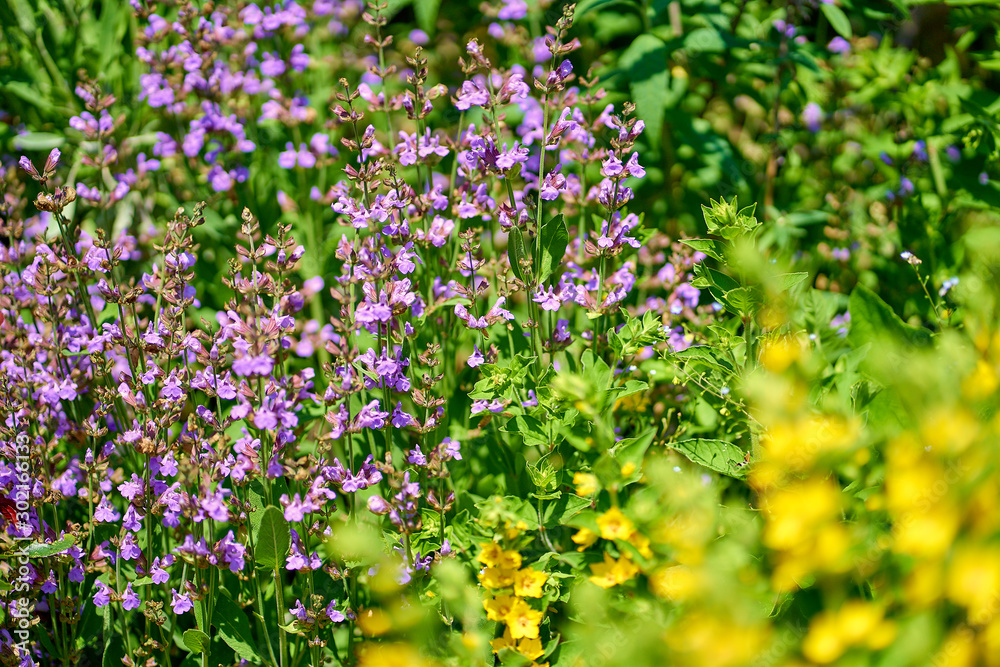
(507, 585)
(856, 623)
(614, 525)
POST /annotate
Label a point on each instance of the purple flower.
(378, 505)
(812, 116)
(26, 164)
(333, 614)
(839, 45)
(129, 550)
(513, 10)
(158, 574)
(181, 602)
(272, 65)
(102, 594)
(296, 508)
(371, 417)
(472, 94)
(476, 358)
(450, 449)
(130, 600)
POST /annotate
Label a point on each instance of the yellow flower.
(528, 583)
(824, 644)
(498, 608)
(391, 655)
(641, 544)
(500, 643)
(611, 572)
(857, 622)
(973, 581)
(530, 648)
(586, 483)
(677, 583)
(614, 525)
(523, 621)
(780, 352)
(374, 622)
(497, 577)
(490, 554)
(584, 537)
(796, 512)
(510, 560)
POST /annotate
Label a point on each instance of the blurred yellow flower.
(584, 537)
(395, 654)
(613, 572)
(586, 483)
(614, 525)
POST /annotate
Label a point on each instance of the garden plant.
(430, 333)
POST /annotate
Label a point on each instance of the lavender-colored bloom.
(472, 94)
(26, 164)
(450, 449)
(812, 116)
(102, 595)
(158, 574)
(333, 614)
(181, 602)
(513, 10)
(920, 151)
(129, 550)
(984, 178)
(476, 358)
(906, 187)
(419, 37)
(371, 417)
(130, 600)
(839, 45)
(106, 512)
(378, 505)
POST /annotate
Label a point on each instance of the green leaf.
(38, 141)
(743, 300)
(705, 40)
(25, 14)
(872, 320)
(555, 238)
(588, 6)
(645, 64)
(273, 539)
(234, 627)
(529, 428)
(426, 12)
(838, 20)
(707, 246)
(517, 253)
(196, 641)
(46, 549)
(787, 281)
(718, 455)
(559, 513)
